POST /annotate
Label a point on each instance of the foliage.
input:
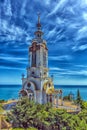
(2, 101)
(1, 106)
(84, 105)
(23, 128)
(27, 114)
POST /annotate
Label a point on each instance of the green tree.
(78, 98)
(22, 114)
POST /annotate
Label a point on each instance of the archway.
(29, 90)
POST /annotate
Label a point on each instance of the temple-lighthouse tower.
(38, 53)
(38, 86)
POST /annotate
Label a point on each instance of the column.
(52, 100)
(61, 100)
(48, 98)
(30, 59)
(40, 98)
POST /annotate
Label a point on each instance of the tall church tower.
(38, 85)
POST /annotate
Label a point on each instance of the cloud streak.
(64, 23)
(60, 58)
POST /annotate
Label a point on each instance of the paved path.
(68, 106)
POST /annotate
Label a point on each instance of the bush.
(27, 114)
(2, 101)
(24, 129)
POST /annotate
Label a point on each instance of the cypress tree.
(78, 99)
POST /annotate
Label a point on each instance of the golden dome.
(48, 87)
(50, 90)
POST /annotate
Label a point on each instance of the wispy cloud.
(12, 32)
(80, 48)
(82, 32)
(14, 59)
(81, 66)
(11, 68)
(85, 16)
(64, 23)
(77, 73)
(7, 9)
(56, 69)
(23, 8)
(63, 57)
(58, 5)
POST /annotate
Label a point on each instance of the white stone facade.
(37, 85)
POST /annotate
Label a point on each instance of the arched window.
(29, 84)
(32, 72)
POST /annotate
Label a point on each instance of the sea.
(8, 92)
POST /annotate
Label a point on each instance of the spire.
(38, 24)
(39, 32)
(38, 17)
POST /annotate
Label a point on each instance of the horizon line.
(54, 84)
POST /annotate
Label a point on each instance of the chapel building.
(37, 85)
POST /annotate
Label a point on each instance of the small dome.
(48, 87)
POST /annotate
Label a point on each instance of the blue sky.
(64, 23)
